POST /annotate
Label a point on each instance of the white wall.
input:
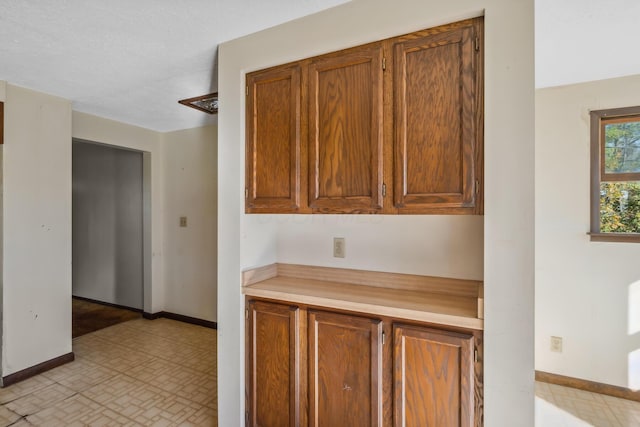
(183, 182)
(448, 246)
(36, 220)
(584, 290)
(250, 240)
(37, 229)
(97, 129)
(190, 183)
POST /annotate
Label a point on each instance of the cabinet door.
(275, 387)
(345, 370)
(345, 131)
(433, 377)
(273, 149)
(436, 107)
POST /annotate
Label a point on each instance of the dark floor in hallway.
(90, 316)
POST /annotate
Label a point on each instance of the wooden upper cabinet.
(274, 149)
(345, 370)
(389, 127)
(437, 114)
(433, 373)
(274, 378)
(345, 131)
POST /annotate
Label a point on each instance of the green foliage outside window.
(620, 207)
(620, 201)
(622, 147)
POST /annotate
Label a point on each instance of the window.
(615, 174)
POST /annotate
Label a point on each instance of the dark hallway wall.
(107, 224)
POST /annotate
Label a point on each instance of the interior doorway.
(107, 233)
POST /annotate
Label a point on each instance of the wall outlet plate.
(556, 344)
(338, 247)
(183, 221)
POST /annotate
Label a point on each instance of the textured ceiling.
(132, 61)
(127, 60)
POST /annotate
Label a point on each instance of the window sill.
(615, 237)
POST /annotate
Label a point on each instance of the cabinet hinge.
(477, 186)
(246, 314)
(384, 190)
(246, 193)
(475, 356)
(246, 90)
(384, 63)
(476, 44)
(383, 338)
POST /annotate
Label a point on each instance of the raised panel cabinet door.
(436, 107)
(345, 370)
(433, 377)
(346, 131)
(273, 148)
(274, 394)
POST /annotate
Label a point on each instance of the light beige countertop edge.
(374, 309)
(438, 300)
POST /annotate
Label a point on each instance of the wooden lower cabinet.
(345, 370)
(433, 374)
(315, 367)
(275, 381)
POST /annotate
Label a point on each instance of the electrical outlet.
(183, 221)
(556, 344)
(338, 247)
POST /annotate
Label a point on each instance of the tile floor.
(558, 406)
(137, 373)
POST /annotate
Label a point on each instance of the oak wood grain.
(345, 372)
(433, 378)
(418, 125)
(481, 301)
(478, 24)
(274, 380)
(435, 117)
(273, 149)
(478, 384)
(335, 322)
(345, 131)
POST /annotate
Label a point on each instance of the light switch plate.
(338, 247)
